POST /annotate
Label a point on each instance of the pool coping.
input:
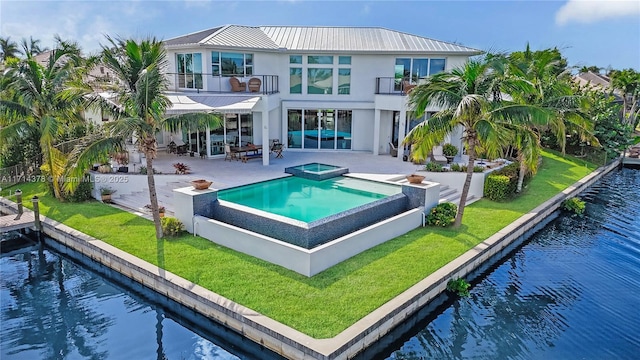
(283, 339)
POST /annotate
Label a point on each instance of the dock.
(10, 223)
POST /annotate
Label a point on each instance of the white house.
(312, 88)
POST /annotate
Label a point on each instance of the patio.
(132, 193)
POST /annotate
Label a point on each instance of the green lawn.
(324, 305)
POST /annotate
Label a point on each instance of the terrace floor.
(226, 174)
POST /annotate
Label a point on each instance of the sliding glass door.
(319, 129)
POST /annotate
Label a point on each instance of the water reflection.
(53, 308)
(571, 292)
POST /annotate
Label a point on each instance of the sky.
(603, 33)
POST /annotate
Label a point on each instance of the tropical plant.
(181, 168)
(449, 150)
(442, 215)
(40, 102)
(434, 167)
(8, 49)
(105, 190)
(172, 226)
(459, 286)
(32, 47)
(469, 97)
(139, 106)
(628, 83)
(574, 205)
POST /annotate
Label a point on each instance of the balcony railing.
(208, 83)
(392, 86)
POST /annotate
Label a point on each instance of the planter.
(106, 198)
(105, 169)
(449, 159)
(201, 184)
(415, 179)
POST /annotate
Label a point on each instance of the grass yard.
(324, 305)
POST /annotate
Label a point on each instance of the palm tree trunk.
(153, 197)
(521, 173)
(467, 182)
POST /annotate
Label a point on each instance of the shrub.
(449, 150)
(181, 168)
(459, 286)
(455, 167)
(498, 187)
(171, 226)
(143, 170)
(83, 191)
(442, 214)
(106, 190)
(574, 205)
(435, 167)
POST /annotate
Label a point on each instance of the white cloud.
(590, 11)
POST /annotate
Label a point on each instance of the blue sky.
(602, 33)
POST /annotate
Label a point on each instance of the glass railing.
(392, 86)
(208, 83)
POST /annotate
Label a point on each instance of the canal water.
(571, 291)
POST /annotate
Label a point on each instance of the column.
(376, 131)
(264, 114)
(402, 126)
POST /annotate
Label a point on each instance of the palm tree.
(41, 103)
(628, 82)
(467, 97)
(32, 47)
(141, 107)
(8, 48)
(551, 90)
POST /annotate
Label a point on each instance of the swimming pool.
(308, 200)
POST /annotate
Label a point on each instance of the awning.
(181, 104)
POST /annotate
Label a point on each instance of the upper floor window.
(231, 64)
(344, 60)
(295, 59)
(320, 59)
(417, 68)
(189, 70)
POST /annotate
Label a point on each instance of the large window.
(319, 81)
(231, 64)
(319, 129)
(344, 81)
(295, 80)
(189, 70)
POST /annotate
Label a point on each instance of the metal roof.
(317, 38)
(193, 38)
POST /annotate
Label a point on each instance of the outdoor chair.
(437, 155)
(277, 148)
(254, 84)
(236, 85)
(393, 150)
(182, 149)
(228, 155)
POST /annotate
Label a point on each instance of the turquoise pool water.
(308, 200)
(315, 167)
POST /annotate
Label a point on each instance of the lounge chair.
(254, 84)
(393, 150)
(438, 156)
(236, 85)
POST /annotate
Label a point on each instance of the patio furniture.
(277, 148)
(393, 150)
(236, 85)
(182, 149)
(438, 156)
(254, 84)
(228, 154)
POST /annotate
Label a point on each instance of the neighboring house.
(312, 88)
(597, 81)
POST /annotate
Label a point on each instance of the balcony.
(392, 86)
(216, 84)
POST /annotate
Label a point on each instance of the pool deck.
(232, 173)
